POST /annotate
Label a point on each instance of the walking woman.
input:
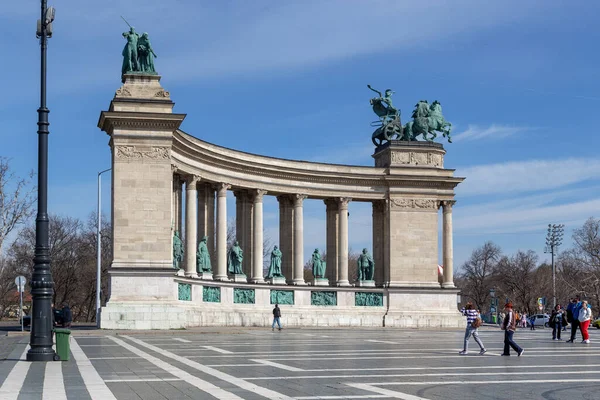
(473, 322)
(556, 322)
(509, 325)
(585, 315)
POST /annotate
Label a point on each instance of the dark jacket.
(277, 312)
(510, 322)
(67, 315)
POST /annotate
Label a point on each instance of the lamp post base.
(41, 354)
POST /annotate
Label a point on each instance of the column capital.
(298, 198)
(174, 168)
(258, 195)
(343, 202)
(191, 181)
(447, 205)
(222, 188)
(331, 204)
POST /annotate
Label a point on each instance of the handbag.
(476, 323)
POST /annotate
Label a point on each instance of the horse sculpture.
(426, 121)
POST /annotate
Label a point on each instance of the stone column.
(222, 231)
(177, 203)
(206, 215)
(332, 239)
(387, 243)
(343, 242)
(257, 264)
(191, 236)
(378, 234)
(447, 244)
(286, 236)
(298, 239)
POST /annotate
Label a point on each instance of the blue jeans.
(556, 329)
(509, 342)
(472, 331)
(276, 320)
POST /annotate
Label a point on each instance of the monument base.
(276, 280)
(238, 278)
(320, 282)
(205, 275)
(365, 283)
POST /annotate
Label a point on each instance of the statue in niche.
(366, 266)
(177, 250)
(275, 267)
(318, 265)
(202, 257)
(235, 258)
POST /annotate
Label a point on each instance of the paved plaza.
(303, 364)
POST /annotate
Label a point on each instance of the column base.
(365, 283)
(321, 282)
(448, 285)
(343, 283)
(238, 278)
(256, 280)
(180, 272)
(205, 275)
(192, 275)
(298, 282)
(276, 280)
(220, 278)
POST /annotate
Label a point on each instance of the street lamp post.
(42, 286)
(99, 249)
(553, 241)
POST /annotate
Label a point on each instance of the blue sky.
(518, 80)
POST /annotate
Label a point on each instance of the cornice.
(109, 120)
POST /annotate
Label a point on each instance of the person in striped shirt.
(471, 315)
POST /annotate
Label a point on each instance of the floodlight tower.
(553, 241)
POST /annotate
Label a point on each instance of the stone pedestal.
(205, 275)
(365, 283)
(276, 280)
(320, 282)
(397, 153)
(410, 216)
(238, 278)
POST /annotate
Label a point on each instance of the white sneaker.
(462, 353)
(586, 341)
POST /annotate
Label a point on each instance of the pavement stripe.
(421, 374)
(14, 381)
(182, 340)
(489, 382)
(380, 341)
(361, 357)
(358, 396)
(93, 382)
(54, 384)
(191, 379)
(144, 380)
(113, 358)
(268, 393)
(218, 350)
(390, 393)
(277, 365)
(561, 366)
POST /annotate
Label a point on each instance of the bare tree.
(516, 275)
(477, 274)
(16, 200)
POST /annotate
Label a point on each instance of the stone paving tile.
(123, 391)
(34, 382)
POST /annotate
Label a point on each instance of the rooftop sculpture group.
(427, 120)
(138, 54)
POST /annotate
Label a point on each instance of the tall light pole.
(42, 286)
(553, 241)
(99, 249)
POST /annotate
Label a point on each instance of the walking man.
(509, 325)
(572, 317)
(276, 317)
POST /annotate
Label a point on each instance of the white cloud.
(526, 176)
(494, 131)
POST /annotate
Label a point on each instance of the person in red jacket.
(509, 325)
